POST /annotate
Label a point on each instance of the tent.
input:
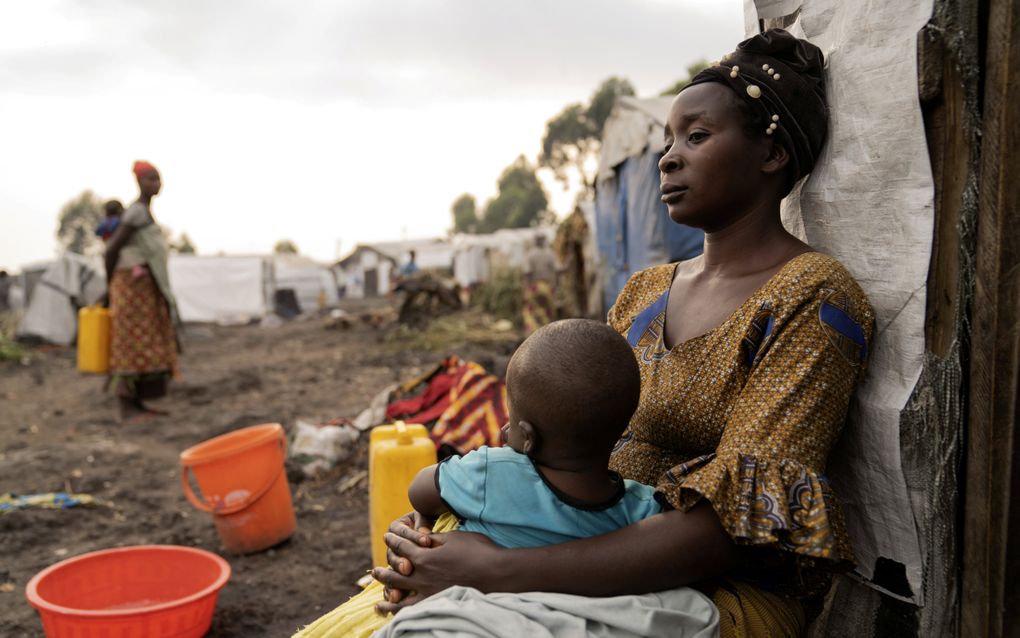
(476, 257)
(30, 276)
(67, 284)
(430, 253)
(222, 289)
(366, 272)
(632, 228)
(314, 285)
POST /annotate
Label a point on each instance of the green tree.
(692, 70)
(521, 199)
(465, 214)
(184, 245)
(603, 100)
(78, 220)
(285, 247)
(572, 138)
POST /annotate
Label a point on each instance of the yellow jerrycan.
(94, 339)
(396, 453)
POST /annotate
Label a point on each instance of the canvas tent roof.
(633, 125)
(355, 256)
(67, 284)
(431, 252)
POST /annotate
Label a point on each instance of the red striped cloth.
(463, 405)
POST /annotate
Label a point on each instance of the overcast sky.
(325, 122)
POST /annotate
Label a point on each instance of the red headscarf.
(142, 167)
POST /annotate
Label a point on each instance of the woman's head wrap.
(142, 167)
(780, 76)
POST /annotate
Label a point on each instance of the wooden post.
(943, 95)
(991, 549)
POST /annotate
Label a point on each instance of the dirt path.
(57, 432)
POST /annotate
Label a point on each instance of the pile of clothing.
(461, 404)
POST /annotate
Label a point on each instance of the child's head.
(113, 208)
(572, 387)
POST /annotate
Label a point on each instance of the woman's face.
(149, 183)
(710, 175)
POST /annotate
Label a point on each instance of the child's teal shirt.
(501, 493)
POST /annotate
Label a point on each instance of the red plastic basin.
(153, 591)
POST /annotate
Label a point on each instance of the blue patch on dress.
(645, 318)
(758, 335)
(844, 333)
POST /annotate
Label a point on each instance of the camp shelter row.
(216, 289)
(628, 229)
(369, 270)
(628, 226)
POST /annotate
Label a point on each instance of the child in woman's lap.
(572, 387)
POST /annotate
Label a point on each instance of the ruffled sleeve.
(766, 478)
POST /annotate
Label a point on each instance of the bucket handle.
(223, 510)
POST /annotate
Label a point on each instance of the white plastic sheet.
(68, 283)
(869, 203)
(222, 289)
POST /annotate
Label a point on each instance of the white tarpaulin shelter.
(311, 282)
(222, 289)
(366, 272)
(476, 256)
(67, 284)
(429, 254)
(869, 203)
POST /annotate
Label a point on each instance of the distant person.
(5, 291)
(114, 209)
(572, 388)
(569, 244)
(540, 269)
(411, 266)
(143, 341)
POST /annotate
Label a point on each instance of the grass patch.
(10, 350)
(501, 296)
(447, 332)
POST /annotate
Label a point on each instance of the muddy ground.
(58, 432)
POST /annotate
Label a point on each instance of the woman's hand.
(667, 550)
(422, 563)
(414, 526)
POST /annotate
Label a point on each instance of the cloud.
(321, 121)
(372, 52)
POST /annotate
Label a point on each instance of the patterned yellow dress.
(744, 416)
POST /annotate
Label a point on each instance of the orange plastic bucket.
(244, 486)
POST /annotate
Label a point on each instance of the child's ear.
(530, 436)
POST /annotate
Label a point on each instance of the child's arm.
(424, 494)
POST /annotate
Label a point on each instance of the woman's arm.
(113, 247)
(665, 551)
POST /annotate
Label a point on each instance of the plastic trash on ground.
(318, 448)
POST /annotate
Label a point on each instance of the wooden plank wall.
(991, 548)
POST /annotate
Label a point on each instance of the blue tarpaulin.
(633, 229)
